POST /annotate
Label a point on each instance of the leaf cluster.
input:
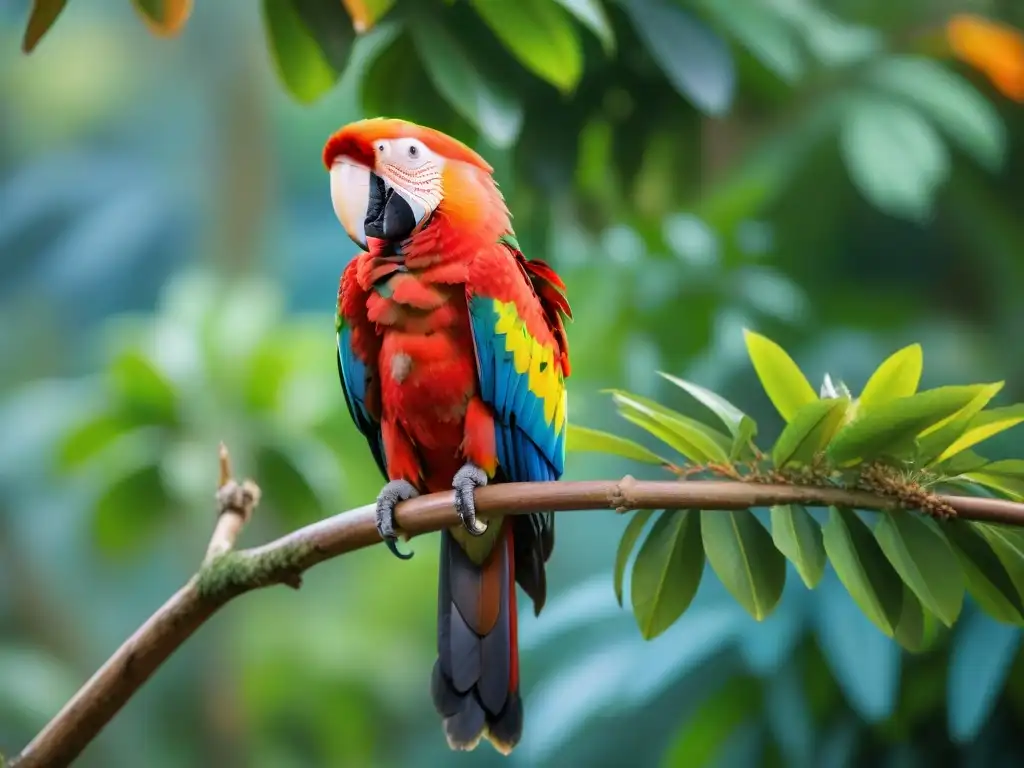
(908, 569)
(575, 84)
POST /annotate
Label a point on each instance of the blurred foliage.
(843, 177)
(144, 436)
(557, 65)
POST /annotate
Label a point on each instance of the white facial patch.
(414, 170)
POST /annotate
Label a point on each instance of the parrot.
(452, 355)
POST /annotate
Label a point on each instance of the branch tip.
(235, 504)
(225, 465)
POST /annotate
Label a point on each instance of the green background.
(819, 172)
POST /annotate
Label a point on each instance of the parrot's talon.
(465, 483)
(391, 494)
(392, 544)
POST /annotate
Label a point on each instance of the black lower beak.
(388, 216)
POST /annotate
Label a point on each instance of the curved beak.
(350, 194)
(367, 206)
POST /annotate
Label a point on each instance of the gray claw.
(391, 494)
(465, 482)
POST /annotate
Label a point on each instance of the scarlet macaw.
(452, 356)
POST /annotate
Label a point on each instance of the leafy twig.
(229, 573)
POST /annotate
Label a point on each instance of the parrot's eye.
(413, 151)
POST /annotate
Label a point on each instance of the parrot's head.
(389, 177)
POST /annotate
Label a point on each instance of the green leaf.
(489, 108)
(742, 554)
(810, 431)
(890, 429)
(626, 543)
(983, 426)
(695, 60)
(1008, 545)
(783, 382)
(983, 393)
(307, 69)
(835, 42)
(761, 30)
(87, 439)
(582, 439)
(591, 14)
(863, 569)
(955, 105)
(965, 461)
(130, 511)
(742, 427)
(145, 394)
(798, 536)
(1011, 488)
(697, 442)
(667, 571)
(1006, 476)
(894, 156)
(938, 437)
(44, 14)
(910, 630)
(897, 377)
(667, 436)
(329, 25)
(540, 35)
(987, 579)
(924, 560)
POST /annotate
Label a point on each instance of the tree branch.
(228, 574)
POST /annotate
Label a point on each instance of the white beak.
(350, 193)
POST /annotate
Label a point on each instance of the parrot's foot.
(465, 482)
(389, 497)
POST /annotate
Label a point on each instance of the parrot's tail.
(475, 684)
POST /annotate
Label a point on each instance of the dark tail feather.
(475, 683)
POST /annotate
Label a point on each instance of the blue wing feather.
(529, 447)
(352, 373)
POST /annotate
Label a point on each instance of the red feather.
(549, 289)
(356, 141)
